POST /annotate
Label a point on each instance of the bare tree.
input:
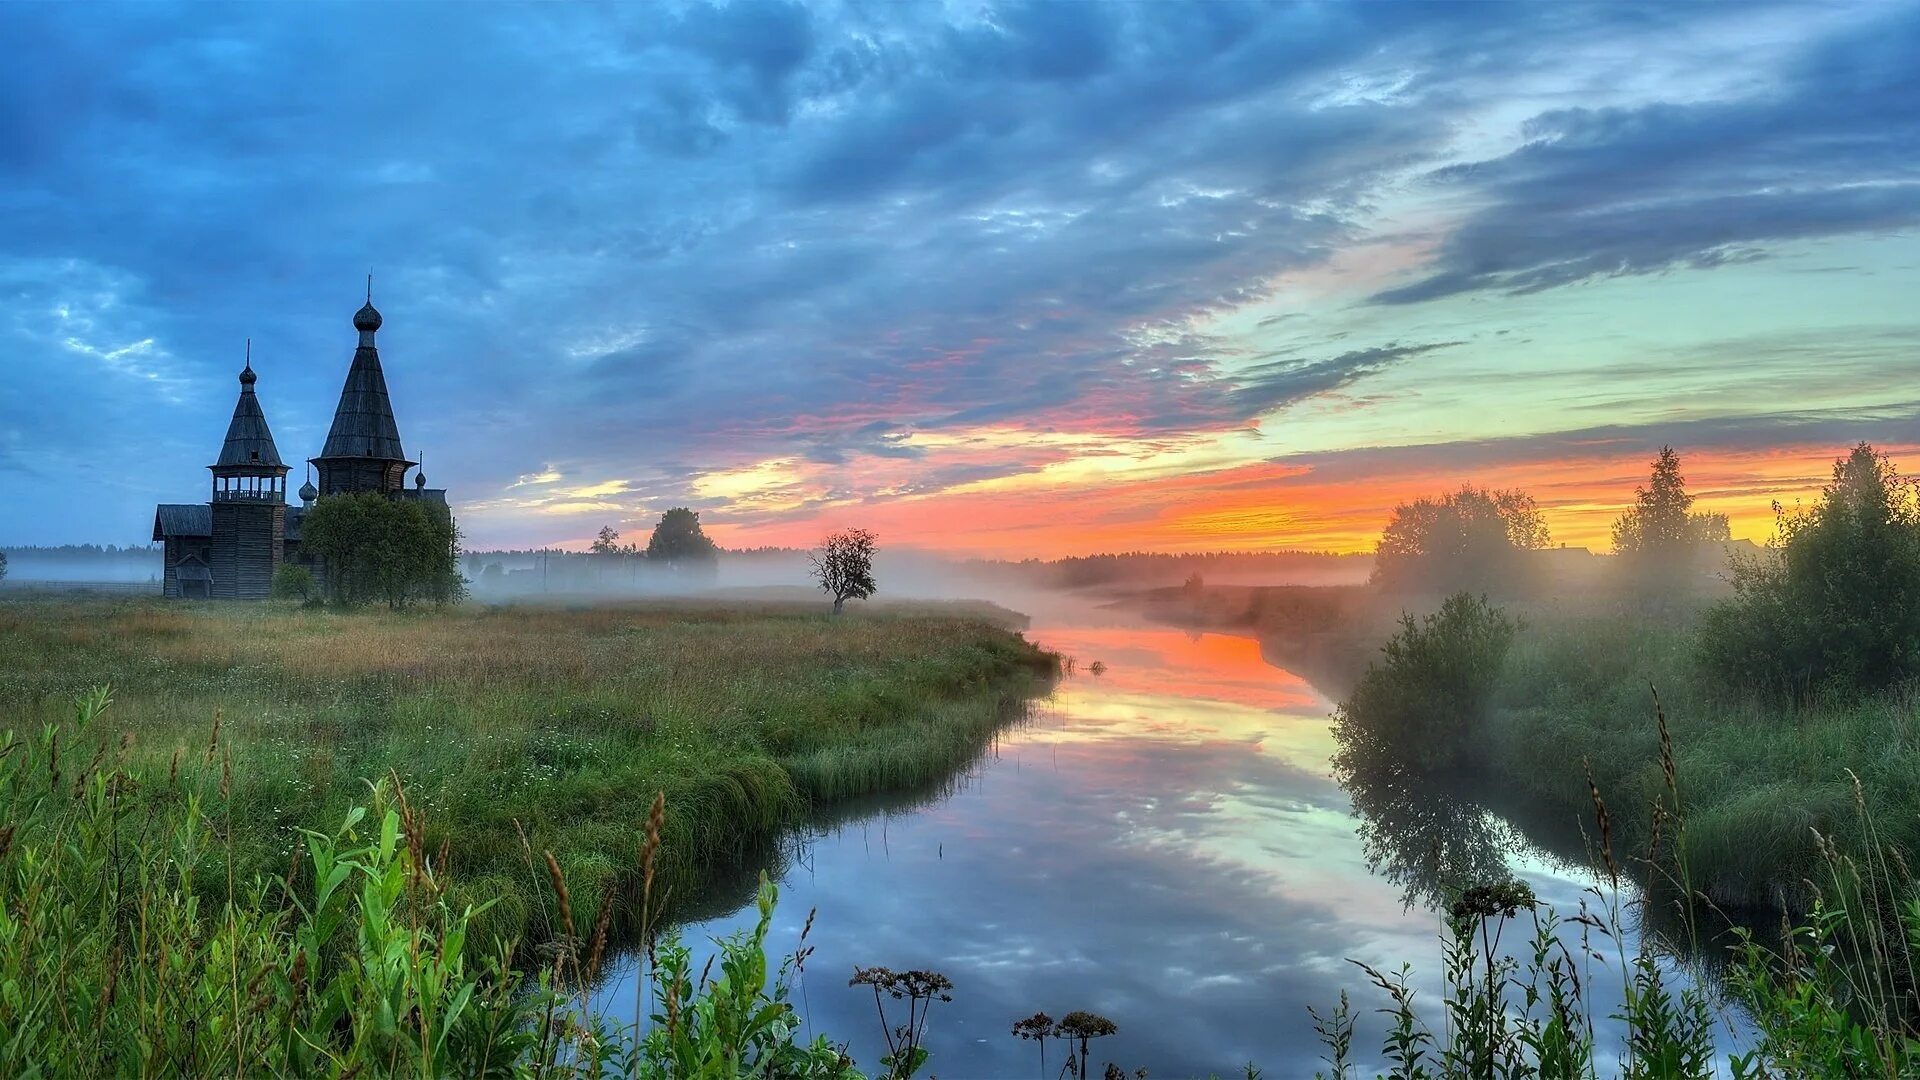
(843, 565)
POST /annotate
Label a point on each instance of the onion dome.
(247, 377)
(420, 479)
(366, 319)
(308, 492)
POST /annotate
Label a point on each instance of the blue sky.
(998, 278)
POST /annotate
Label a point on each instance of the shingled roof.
(363, 425)
(248, 440)
(182, 519)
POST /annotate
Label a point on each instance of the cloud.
(1831, 147)
(1281, 382)
(653, 245)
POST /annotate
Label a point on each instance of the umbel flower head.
(1503, 898)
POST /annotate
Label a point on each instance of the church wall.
(247, 543)
(178, 549)
(340, 477)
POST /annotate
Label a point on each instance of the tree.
(607, 543)
(843, 565)
(1469, 540)
(292, 582)
(379, 548)
(1659, 534)
(1423, 702)
(3, 566)
(1835, 602)
(678, 540)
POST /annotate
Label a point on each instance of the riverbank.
(517, 731)
(1759, 774)
(1762, 781)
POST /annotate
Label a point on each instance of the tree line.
(1831, 604)
(1475, 539)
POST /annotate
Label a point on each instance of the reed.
(113, 963)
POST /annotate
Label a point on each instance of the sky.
(995, 279)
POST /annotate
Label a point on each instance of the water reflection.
(1427, 838)
(1163, 844)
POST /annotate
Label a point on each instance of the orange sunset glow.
(1273, 507)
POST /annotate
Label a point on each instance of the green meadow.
(516, 731)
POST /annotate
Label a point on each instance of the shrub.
(1430, 689)
(292, 582)
(1834, 605)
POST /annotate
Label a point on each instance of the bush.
(292, 582)
(1425, 698)
(1834, 604)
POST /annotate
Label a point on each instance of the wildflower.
(1505, 899)
(1037, 1026)
(1085, 1025)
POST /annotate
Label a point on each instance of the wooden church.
(229, 547)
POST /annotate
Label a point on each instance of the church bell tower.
(249, 506)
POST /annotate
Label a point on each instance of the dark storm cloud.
(677, 240)
(1831, 148)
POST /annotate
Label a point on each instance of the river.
(1162, 843)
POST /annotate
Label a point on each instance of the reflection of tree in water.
(1435, 837)
(1430, 841)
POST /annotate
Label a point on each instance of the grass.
(1766, 776)
(356, 961)
(1768, 773)
(1837, 994)
(519, 730)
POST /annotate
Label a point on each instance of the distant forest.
(83, 562)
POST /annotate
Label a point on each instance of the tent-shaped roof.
(363, 424)
(248, 440)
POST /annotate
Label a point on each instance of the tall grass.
(1837, 997)
(355, 960)
(1765, 771)
(1571, 696)
(515, 727)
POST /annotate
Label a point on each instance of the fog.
(902, 574)
(767, 574)
(83, 564)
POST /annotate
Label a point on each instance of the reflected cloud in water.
(1163, 844)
